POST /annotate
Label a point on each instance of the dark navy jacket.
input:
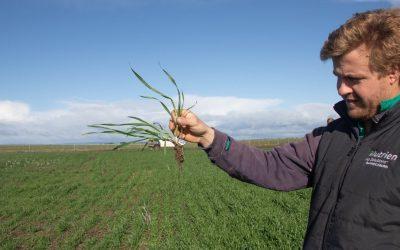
(356, 182)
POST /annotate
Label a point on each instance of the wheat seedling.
(144, 131)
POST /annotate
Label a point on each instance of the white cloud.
(274, 122)
(240, 117)
(223, 105)
(13, 111)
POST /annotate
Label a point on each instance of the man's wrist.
(207, 139)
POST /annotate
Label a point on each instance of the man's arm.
(283, 168)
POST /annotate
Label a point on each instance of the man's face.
(359, 86)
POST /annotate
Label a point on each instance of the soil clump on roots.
(179, 156)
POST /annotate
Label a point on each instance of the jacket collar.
(341, 109)
(381, 119)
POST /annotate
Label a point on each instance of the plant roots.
(179, 156)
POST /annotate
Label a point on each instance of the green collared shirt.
(388, 104)
(385, 105)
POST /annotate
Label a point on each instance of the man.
(352, 164)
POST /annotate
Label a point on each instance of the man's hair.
(379, 30)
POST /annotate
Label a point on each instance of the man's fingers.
(171, 125)
(183, 122)
(184, 113)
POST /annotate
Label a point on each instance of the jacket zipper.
(352, 152)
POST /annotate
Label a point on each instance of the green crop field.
(139, 199)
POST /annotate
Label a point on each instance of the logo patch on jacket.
(380, 159)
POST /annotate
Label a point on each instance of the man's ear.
(394, 76)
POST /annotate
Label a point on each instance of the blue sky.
(65, 63)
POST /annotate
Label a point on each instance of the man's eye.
(352, 79)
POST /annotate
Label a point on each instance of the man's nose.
(343, 87)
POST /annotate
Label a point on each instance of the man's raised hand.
(191, 128)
